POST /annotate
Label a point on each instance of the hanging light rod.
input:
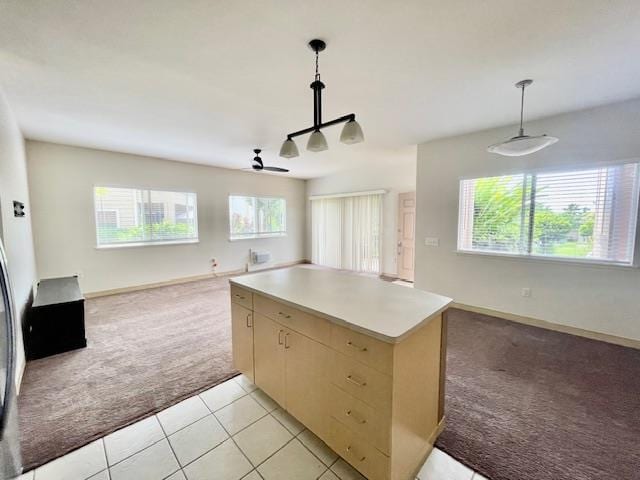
(351, 133)
(522, 144)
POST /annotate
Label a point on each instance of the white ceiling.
(207, 81)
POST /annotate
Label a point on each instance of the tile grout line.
(227, 432)
(166, 437)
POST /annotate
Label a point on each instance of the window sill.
(257, 237)
(146, 244)
(539, 258)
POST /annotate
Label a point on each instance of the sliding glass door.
(346, 232)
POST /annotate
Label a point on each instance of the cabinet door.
(269, 356)
(242, 339)
(306, 381)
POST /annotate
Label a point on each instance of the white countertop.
(369, 305)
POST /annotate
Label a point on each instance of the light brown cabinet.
(242, 335)
(269, 357)
(377, 404)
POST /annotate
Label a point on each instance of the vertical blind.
(587, 214)
(346, 232)
(129, 215)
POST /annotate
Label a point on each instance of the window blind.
(346, 232)
(587, 214)
(136, 216)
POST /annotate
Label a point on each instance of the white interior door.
(406, 234)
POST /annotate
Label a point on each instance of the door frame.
(399, 238)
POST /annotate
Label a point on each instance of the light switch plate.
(432, 241)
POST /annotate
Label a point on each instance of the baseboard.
(178, 281)
(556, 327)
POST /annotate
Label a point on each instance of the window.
(252, 217)
(107, 218)
(134, 216)
(585, 214)
(345, 232)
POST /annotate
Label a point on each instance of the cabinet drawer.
(361, 418)
(241, 297)
(363, 456)
(362, 382)
(363, 348)
(313, 327)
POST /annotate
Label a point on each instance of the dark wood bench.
(56, 322)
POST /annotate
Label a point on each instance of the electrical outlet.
(432, 241)
(526, 292)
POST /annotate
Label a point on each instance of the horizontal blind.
(587, 214)
(133, 216)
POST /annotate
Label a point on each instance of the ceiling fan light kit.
(351, 133)
(522, 144)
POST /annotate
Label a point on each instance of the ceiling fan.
(259, 165)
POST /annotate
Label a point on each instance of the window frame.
(255, 235)
(635, 244)
(145, 243)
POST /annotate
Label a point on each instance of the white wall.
(15, 232)
(394, 171)
(597, 298)
(62, 180)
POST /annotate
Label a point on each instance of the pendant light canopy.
(351, 133)
(522, 144)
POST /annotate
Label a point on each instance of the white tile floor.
(233, 431)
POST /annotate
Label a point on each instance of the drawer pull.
(350, 378)
(249, 322)
(280, 337)
(282, 314)
(241, 297)
(358, 347)
(286, 343)
(358, 420)
(362, 459)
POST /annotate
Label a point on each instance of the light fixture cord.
(522, 112)
(317, 74)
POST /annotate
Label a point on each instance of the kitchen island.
(359, 361)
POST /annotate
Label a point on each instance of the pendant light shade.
(289, 149)
(522, 144)
(317, 142)
(351, 133)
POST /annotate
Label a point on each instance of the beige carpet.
(146, 351)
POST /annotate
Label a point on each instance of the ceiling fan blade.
(257, 167)
(276, 169)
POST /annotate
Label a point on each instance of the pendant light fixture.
(351, 133)
(522, 144)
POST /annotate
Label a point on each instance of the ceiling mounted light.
(522, 144)
(351, 133)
